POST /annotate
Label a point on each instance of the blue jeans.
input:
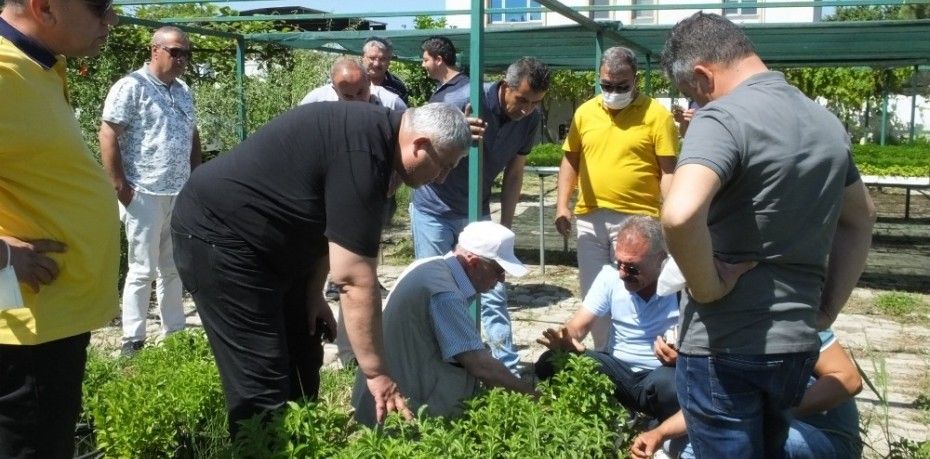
(736, 406)
(435, 236)
(804, 442)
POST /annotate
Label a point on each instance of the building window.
(644, 16)
(599, 15)
(738, 11)
(499, 18)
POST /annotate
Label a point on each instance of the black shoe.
(130, 348)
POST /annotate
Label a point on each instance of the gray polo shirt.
(784, 162)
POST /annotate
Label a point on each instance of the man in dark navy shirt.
(257, 230)
(439, 62)
(439, 212)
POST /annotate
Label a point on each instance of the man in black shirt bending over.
(257, 229)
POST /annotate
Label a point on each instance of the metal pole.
(542, 230)
(649, 75)
(884, 129)
(913, 102)
(240, 81)
(476, 75)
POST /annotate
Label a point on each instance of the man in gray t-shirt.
(771, 225)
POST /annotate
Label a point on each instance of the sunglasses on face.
(630, 269)
(99, 7)
(614, 88)
(176, 53)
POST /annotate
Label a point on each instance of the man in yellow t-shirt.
(620, 153)
(58, 220)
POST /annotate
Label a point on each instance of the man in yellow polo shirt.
(59, 226)
(620, 152)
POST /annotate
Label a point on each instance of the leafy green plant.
(545, 154)
(164, 402)
(910, 160)
(897, 304)
(307, 429)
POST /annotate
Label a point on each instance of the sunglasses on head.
(628, 268)
(99, 7)
(614, 88)
(177, 52)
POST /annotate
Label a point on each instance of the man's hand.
(729, 273)
(125, 193)
(563, 222)
(561, 340)
(665, 352)
(319, 313)
(475, 125)
(387, 398)
(646, 444)
(31, 264)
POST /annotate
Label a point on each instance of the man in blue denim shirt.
(439, 211)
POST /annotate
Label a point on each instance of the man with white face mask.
(620, 152)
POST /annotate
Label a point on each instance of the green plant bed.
(911, 160)
(167, 402)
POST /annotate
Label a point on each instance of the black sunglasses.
(99, 7)
(614, 88)
(628, 268)
(177, 52)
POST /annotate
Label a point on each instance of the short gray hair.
(528, 69)
(703, 38)
(617, 58)
(649, 228)
(347, 63)
(158, 37)
(378, 42)
(443, 124)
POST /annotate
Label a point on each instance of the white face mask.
(618, 100)
(10, 296)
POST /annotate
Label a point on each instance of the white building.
(730, 8)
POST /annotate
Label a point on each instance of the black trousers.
(256, 323)
(651, 392)
(40, 397)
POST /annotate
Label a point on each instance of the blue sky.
(355, 6)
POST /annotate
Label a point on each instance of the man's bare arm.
(491, 371)
(849, 251)
(512, 186)
(112, 160)
(361, 303)
(568, 179)
(666, 172)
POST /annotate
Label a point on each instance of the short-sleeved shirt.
(618, 168)
(456, 91)
(379, 96)
(396, 85)
(455, 331)
(316, 174)
(52, 188)
(783, 162)
(503, 141)
(158, 121)
(635, 322)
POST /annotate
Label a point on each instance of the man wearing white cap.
(432, 345)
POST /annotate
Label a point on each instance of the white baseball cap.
(493, 241)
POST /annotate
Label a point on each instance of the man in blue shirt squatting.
(639, 317)
(770, 224)
(438, 212)
(432, 347)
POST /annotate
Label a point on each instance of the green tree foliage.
(847, 90)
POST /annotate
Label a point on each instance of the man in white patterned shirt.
(148, 145)
(432, 345)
